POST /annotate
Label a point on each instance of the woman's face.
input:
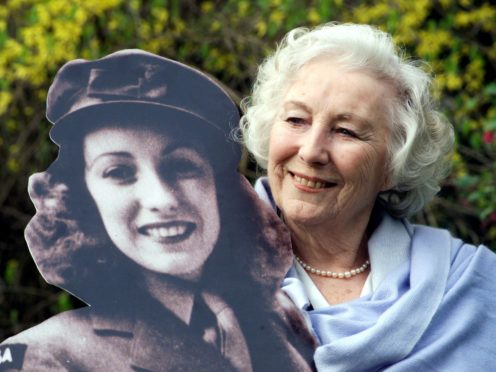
(156, 196)
(328, 145)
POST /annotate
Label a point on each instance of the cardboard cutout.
(144, 217)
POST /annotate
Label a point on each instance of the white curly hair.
(422, 139)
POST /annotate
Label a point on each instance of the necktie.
(219, 327)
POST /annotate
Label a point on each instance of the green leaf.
(473, 197)
(471, 103)
(11, 271)
(475, 141)
(486, 212)
(64, 302)
(325, 9)
(467, 181)
(490, 124)
(14, 316)
(490, 89)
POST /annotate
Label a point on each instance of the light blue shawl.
(436, 312)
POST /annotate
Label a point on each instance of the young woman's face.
(155, 195)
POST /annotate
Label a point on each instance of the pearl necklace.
(333, 274)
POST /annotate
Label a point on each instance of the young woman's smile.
(156, 196)
(171, 232)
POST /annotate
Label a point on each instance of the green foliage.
(63, 302)
(228, 39)
(11, 272)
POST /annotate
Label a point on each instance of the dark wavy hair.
(69, 243)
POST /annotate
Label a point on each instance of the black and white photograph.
(144, 218)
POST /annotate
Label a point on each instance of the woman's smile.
(310, 184)
(168, 232)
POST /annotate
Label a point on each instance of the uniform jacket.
(145, 337)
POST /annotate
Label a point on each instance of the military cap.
(134, 77)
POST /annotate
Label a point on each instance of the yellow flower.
(12, 127)
(180, 26)
(261, 28)
(160, 14)
(15, 4)
(113, 24)
(276, 17)
(4, 11)
(5, 99)
(207, 7)
(460, 173)
(216, 26)
(313, 16)
(445, 4)
(43, 14)
(492, 233)
(456, 158)
(56, 7)
(371, 14)
(453, 81)
(243, 7)
(80, 16)
(13, 165)
(144, 30)
(474, 75)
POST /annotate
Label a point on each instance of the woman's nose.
(155, 194)
(314, 147)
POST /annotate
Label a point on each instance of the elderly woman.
(353, 145)
(139, 216)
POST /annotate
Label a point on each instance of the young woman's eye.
(181, 168)
(120, 173)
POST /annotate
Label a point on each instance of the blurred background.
(228, 39)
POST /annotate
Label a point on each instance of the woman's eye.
(295, 120)
(346, 132)
(181, 168)
(122, 173)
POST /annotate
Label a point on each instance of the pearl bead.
(333, 274)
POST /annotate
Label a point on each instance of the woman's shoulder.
(57, 327)
(468, 263)
(442, 237)
(46, 346)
